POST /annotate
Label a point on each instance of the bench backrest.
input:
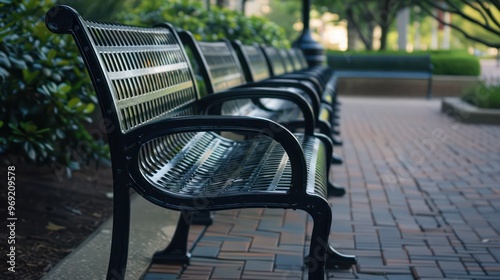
(139, 74)
(253, 61)
(218, 63)
(221, 70)
(274, 60)
(300, 57)
(297, 66)
(287, 61)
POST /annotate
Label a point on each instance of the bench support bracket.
(335, 190)
(204, 218)
(176, 252)
(336, 260)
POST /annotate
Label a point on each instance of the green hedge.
(483, 96)
(46, 98)
(455, 64)
(445, 62)
(211, 25)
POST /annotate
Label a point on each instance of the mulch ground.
(54, 215)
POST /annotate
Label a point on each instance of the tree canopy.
(484, 14)
(364, 15)
(479, 20)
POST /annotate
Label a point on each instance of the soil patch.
(54, 216)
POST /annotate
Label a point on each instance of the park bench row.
(188, 151)
(221, 70)
(241, 68)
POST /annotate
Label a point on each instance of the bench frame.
(325, 112)
(231, 73)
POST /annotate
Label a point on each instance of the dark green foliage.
(46, 97)
(210, 25)
(95, 9)
(484, 96)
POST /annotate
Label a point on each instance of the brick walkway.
(423, 202)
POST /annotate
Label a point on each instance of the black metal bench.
(221, 71)
(254, 64)
(324, 74)
(278, 100)
(414, 67)
(296, 61)
(281, 66)
(169, 152)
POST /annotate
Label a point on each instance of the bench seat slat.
(211, 166)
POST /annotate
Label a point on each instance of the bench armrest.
(262, 92)
(308, 89)
(241, 124)
(302, 76)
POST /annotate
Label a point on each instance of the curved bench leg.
(335, 122)
(327, 129)
(337, 141)
(335, 190)
(335, 131)
(120, 236)
(336, 260)
(176, 252)
(203, 218)
(336, 159)
(322, 219)
(324, 256)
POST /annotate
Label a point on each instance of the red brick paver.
(423, 202)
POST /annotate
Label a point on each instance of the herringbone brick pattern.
(423, 202)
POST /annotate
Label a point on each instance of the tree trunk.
(368, 41)
(352, 37)
(384, 30)
(222, 3)
(366, 36)
(384, 22)
(243, 2)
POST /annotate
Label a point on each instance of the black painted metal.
(314, 52)
(177, 251)
(221, 69)
(319, 78)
